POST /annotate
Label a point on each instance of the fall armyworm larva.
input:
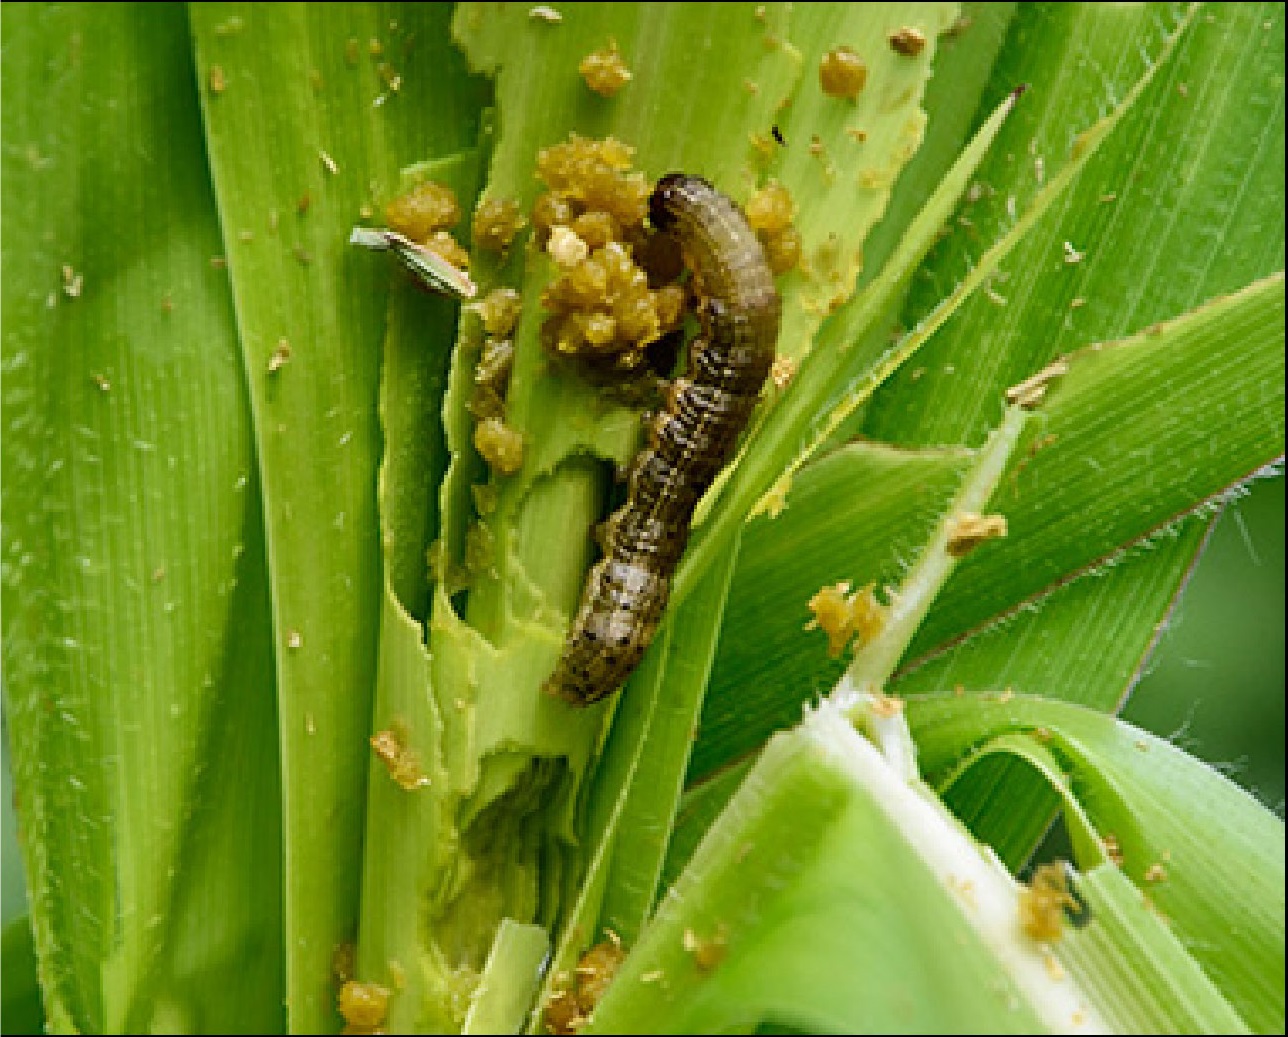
(690, 440)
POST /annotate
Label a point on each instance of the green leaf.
(734, 43)
(314, 86)
(1129, 442)
(1002, 172)
(1086, 643)
(807, 905)
(137, 683)
(509, 979)
(1147, 952)
(1177, 206)
(856, 516)
(21, 1010)
(407, 802)
(842, 158)
(1142, 237)
(1122, 788)
(1149, 949)
(699, 807)
(1083, 644)
(413, 381)
(1096, 416)
(636, 793)
(405, 829)
(653, 790)
(1128, 954)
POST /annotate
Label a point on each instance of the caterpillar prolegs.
(690, 439)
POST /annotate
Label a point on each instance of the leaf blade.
(1097, 472)
(133, 528)
(1220, 897)
(316, 85)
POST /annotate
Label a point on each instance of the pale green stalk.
(876, 660)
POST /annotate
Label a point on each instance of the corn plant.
(1035, 341)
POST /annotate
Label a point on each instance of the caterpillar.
(690, 439)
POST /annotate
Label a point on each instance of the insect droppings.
(603, 312)
(1048, 901)
(574, 997)
(426, 208)
(842, 73)
(605, 71)
(419, 224)
(499, 311)
(73, 283)
(499, 445)
(770, 212)
(707, 951)
(968, 530)
(400, 759)
(908, 41)
(496, 222)
(280, 356)
(844, 616)
(363, 1006)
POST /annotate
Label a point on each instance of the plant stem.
(876, 660)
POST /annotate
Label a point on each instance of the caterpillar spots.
(690, 440)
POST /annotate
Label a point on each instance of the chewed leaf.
(334, 122)
(838, 376)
